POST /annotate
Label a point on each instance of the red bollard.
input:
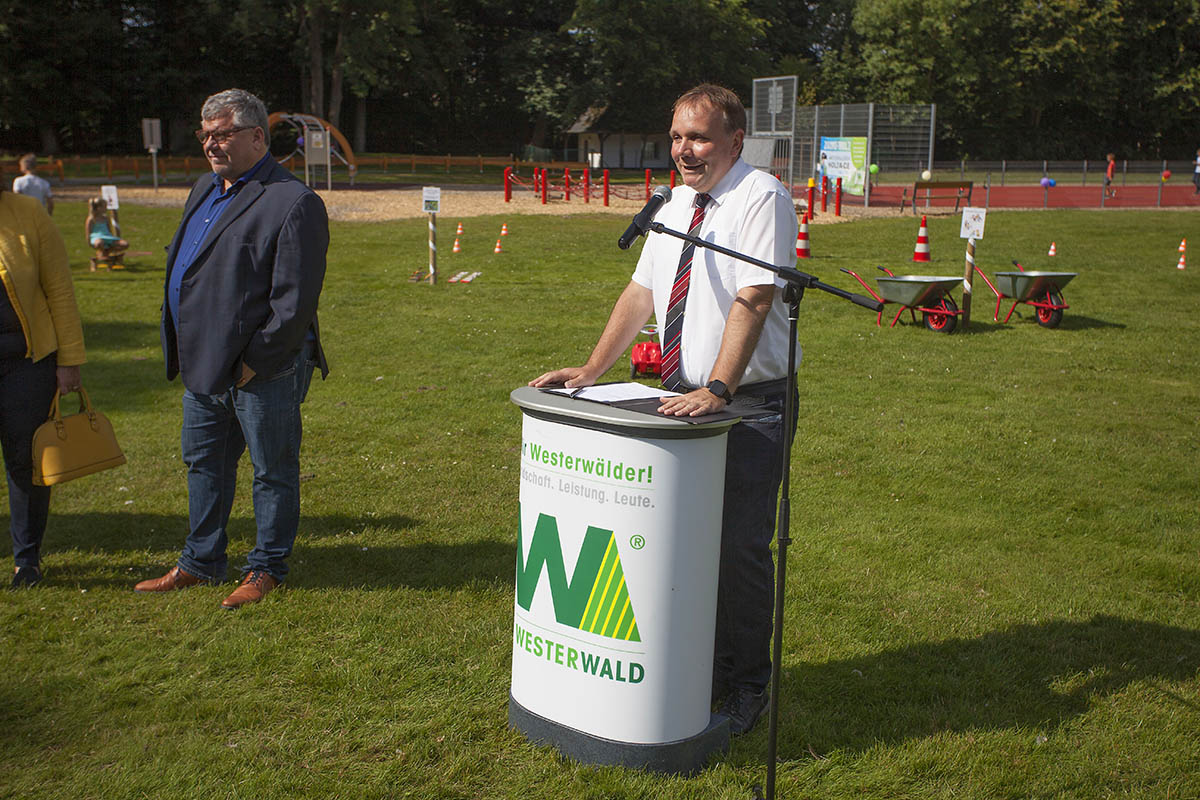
(672, 179)
(535, 181)
(605, 187)
(837, 199)
(508, 184)
(647, 186)
(587, 185)
(824, 192)
(567, 184)
(545, 182)
(810, 201)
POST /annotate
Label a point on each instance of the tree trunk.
(49, 139)
(316, 62)
(360, 125)
(336, 78)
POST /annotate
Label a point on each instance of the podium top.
(604, 417)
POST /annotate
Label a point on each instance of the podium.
(616, 584)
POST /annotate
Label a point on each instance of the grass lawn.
(994, 585)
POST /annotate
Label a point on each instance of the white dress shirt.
(750, 213)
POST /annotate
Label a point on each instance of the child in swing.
(104, 234)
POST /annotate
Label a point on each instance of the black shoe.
(743, 707)
(25, 577)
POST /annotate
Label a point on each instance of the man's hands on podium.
(570, 377)
(696, 403)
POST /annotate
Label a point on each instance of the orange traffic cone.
(802, 250)
(460, 231)
(504, 229)
(498, 248)
(457, 247)
(1053, 250)
(1182, 263)
(921, 251)
(1183, 246)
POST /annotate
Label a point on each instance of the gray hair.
(247, 110)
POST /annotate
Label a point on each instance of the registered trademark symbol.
(637, 541)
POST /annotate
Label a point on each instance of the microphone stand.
(793, 293)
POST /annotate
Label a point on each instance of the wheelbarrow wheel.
(1050, 317)
(943, 323)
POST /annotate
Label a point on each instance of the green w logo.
(596, 599)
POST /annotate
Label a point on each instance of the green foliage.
(992, 586)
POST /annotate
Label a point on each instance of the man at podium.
(724, 334)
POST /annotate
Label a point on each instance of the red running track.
(1139, 196)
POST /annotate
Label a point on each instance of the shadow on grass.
(1036, 677)
(1074, 322)
(332, 551)
(121, 335)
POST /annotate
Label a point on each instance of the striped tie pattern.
(673, 329)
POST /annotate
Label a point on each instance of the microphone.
(642, 221)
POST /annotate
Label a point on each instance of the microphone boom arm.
(793, 276)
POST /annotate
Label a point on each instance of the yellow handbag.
(65, 448)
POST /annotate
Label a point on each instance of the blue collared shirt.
(196, 228)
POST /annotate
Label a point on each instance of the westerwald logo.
(596, 598)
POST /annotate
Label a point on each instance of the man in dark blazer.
(239, 324)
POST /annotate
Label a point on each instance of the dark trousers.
(746, 588)
(264, 417)
(26, 392)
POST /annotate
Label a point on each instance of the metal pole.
(870, 135)
(1160, 182)
(932, 118)
(154, 165)
(1003, 170)
(816, 145)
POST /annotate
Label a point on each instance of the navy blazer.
(251, 294)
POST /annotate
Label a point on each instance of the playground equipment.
(305, 126)
(928, 294)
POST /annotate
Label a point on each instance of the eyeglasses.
(220, 137)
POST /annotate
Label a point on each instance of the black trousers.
(746, 587)
(26, 392)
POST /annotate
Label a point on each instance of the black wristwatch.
(720, 390)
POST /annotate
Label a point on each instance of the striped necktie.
(673, 330)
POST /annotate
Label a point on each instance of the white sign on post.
(431, 199)
(109, 193)
(151, 134)
(972, 223)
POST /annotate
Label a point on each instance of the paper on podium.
(644, 400)
(614, 392)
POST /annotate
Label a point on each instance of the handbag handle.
(85, 406)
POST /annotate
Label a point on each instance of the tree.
(645, 53)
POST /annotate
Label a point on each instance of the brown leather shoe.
(254, 587)
(175, 579)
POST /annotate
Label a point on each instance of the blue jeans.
(746, 587)
(264, 417)
(26, 392)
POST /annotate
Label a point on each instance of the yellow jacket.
(33, 268)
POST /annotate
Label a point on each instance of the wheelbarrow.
(646, 356)
(1042, 290)
(928, 294)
